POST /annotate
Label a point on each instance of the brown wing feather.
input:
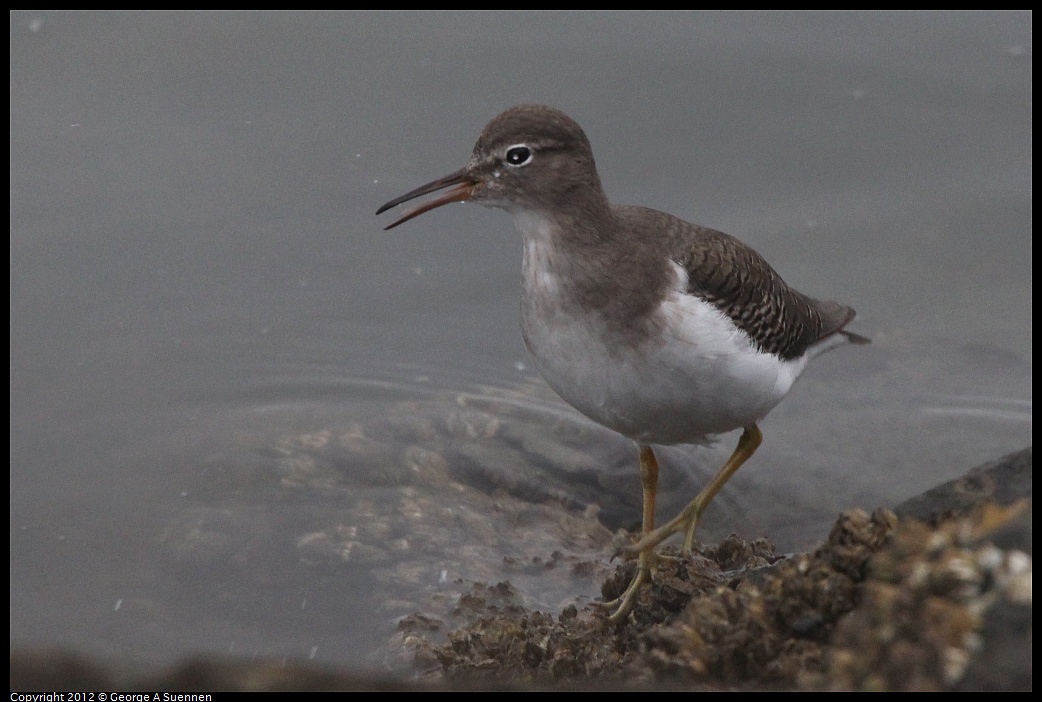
(740, 283)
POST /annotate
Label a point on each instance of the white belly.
(702, 377)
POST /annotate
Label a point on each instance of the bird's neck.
(573, 262)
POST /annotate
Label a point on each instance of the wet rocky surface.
(884, 604)
(934, 595)
(410, 500)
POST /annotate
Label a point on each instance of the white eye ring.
(518, 155)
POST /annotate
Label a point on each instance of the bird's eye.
(519, 155)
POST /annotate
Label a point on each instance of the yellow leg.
(649, 487)
(687, 520)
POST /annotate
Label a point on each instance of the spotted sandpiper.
(664, 331)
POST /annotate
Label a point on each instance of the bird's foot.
(624, 603)
(647, 559)
(684, 523)
(644, 551)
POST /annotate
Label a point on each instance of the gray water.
(199, 288)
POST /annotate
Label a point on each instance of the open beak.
(464, 188)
